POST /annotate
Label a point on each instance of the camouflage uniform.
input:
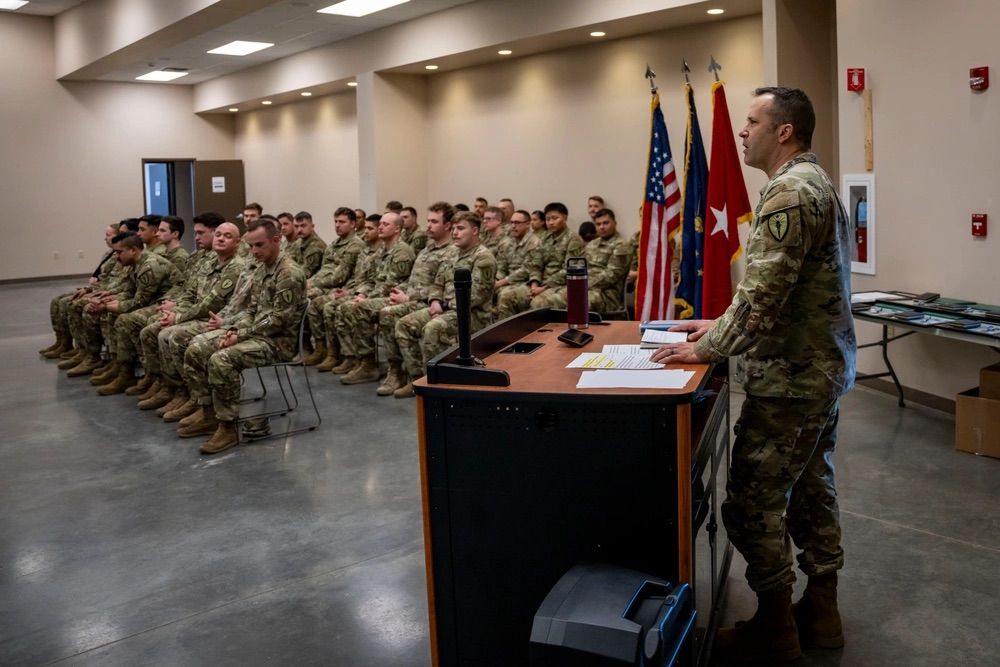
(512, 262)
(308, 253)
(790, 319)
(546, 266)
(416, 238)
(421, 337)
(179, 257)
(364, 274)
(354, 320)
(498, 244)
(267, 331)
(110, 282)
(607, 265)
(59, 305)
(338, 265)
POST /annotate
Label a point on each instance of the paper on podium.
(653, 338)
(612, 379)
(635, 362)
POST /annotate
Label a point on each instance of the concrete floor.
(120, 545)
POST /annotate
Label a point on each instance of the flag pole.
(651, 75)
(714, 67)
(686, 70)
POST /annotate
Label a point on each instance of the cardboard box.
(977, 424)
(989, 382)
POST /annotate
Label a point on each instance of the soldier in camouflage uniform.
(354, 326)
(412, 235)
(205, 292)
(424, 334)
(169, 234)
(512, 263)
(493, 236)
(264, 331)
(608, 257)
(364, 274)
(337, 267)
(413, 294)
(546, 267)
(308, 249)
(790, 319)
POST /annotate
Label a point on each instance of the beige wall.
(302, 156)
(937, 161)
(72, 152)
(567, 124)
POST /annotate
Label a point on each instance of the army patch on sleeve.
(227, 283)
(777, 225)
(287, 294)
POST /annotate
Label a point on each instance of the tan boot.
(225, 436)
(366, 371)
(76, 358)
(153, 390)
(70, 353)
(196, 416)
(109, 373)
(157, 400)
(85, 367)
(142, 386)
(394, 379)
(204, 426)
(55, 350)
(188, 407)
(46, 350)
(119, 383)
(346, 365)
(770, 636)
(316, 356)
(816, 614)
(406, 391)
(329, 363)
(178, 398)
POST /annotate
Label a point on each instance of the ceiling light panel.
(11, 5)
(240, 48)
(161, 75)
(360, 7)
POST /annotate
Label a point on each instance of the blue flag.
(688, 294)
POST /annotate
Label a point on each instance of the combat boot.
(177, 398)
(104, 367)
(366, 371)
(58, 343)
(157, 400)
(394, 379)
(106, 374)
(345, 366)
(816, 614)
(770, 636)
(153, 390)
(328, 364)
(197, 415)
(204, 426)
(119, 383)
(316, 356)
(406, 391)
(55, 351)
(142, 386)
(76, 358)
(85, 367)
(70, 353)
(225, 436)
(186, 408)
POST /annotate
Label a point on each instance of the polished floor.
(120, 545)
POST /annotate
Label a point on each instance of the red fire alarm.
(855, 79)
(979, 224)
(979, 78)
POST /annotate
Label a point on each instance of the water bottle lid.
(576, 266)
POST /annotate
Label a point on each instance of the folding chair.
(623, 312)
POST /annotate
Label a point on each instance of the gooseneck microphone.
(463, 311)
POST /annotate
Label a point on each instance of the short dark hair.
(374, 217)
(255, 206)
(587, 228)
(557, 207)
(503, 199)
(461, 207)
(792, 106)
(151, 219)
(540, 214)
(209, 219)
(446, 210)
(265, 222)
(283, 214)
(349, 212)
(131, 224)
(304, 215)
(605, 212)
(127, 239)
(410, 209)
(470, 217)
(176, 224)
(495, 209)
(394, 206)
(598, 198)
(482, 199)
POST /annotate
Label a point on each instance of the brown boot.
(346, 365)
(330, 362)
(816, 614)
(109, 373)
(196, 416)
(366, 371)
(157, 400)
(55, 350)
(316, 356)
(153, 390)
(142, 386)
(76, 358)
(70, 353)
(406, 391)
(226, 435)
(85, 367)
(119, 383)
(177, 398)
(770, 636)
(188, 407)
(46, 350)
(394, 379)
(204, 426)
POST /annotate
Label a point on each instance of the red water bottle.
(577, 297)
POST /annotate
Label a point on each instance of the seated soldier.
(286, 225)
(169, 233)
(308, 249)
(263, 332)
(588, 231)
(424, 334)
(512, 264)
(608, 258)
(413, 236)
(493, 236)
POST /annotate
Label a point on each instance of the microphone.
(463, 310)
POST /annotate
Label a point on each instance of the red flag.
(661, 219)
(728, 205)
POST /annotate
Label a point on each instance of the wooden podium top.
(543, 370)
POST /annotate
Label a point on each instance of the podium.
(522, 482)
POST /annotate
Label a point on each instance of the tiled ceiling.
(292, 25)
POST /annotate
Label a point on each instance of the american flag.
(661, 221)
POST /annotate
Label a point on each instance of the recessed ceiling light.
(359, 7)
(505, 52)
(233, 109)
(430, 66)
(161, 75)
(266, 102)
(305, 93)
(240, 48)
(715, 12)
(11, 5)
(352, 84)
(598, 33)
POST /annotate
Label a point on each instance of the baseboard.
(45, 279)
(912, 395)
